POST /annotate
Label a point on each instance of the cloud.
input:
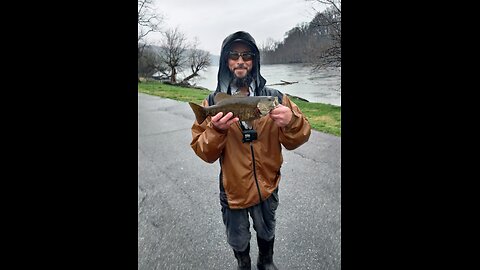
(212, 21)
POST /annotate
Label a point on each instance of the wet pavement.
(179, 218)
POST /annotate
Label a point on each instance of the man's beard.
(242, 82)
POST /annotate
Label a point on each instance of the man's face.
(241, 66)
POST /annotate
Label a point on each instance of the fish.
(246, 108)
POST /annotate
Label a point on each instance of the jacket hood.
(225, 76)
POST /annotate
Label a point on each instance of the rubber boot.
(243, 259)
(265, 255)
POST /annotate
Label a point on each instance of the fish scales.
(245, 108)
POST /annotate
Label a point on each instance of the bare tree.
(330, 21)
(173, 51)
(148, 21)
(198, 60)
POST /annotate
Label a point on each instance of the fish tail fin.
(199, 112)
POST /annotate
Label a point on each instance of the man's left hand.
(281, 115)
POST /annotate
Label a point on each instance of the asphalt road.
(179, 218)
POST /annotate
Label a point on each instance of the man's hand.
(281, 115)
(223, 123)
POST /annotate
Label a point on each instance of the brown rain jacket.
(250, 172)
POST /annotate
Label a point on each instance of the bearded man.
(249, 169)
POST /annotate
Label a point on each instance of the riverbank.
(322, 117)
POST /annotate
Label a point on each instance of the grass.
(322, 117)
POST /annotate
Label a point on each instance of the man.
(249, 171)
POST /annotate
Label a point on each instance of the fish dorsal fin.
(223, 96)
(220, 96)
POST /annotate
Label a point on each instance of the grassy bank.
(322, 117)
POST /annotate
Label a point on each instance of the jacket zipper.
(255, 172)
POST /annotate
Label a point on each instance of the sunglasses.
(245, 55)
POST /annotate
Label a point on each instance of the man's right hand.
(223, 123)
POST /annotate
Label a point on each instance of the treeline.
(317, 42)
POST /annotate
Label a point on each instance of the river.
(322, 86)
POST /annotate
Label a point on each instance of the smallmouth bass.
(245, 108)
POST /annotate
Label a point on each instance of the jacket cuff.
(295, 117)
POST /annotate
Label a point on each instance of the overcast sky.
(213, 20)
